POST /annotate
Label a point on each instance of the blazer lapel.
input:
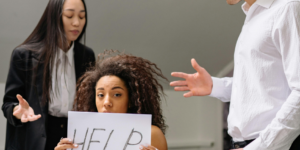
(39, 87)
(78, 59)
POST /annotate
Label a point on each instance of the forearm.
(284, 128)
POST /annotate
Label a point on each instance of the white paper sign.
(109, 131)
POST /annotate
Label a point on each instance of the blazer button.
(62, 125)
(236, 146)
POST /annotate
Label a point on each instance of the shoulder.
(158, 139)
(20, 52)
(288, 6)
(87, 49)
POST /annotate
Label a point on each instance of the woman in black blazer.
(43, 69)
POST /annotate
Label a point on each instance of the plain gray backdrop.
(167, 32)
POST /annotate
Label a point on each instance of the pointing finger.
(179, 75)
(22, 101)
(178, 83)
(183, 88)
(20, 98)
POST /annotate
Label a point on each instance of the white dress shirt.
(265, 89)
(64, 86)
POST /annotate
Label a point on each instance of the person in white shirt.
(265, 88)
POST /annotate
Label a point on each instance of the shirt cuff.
(257, 144)
(217, 85)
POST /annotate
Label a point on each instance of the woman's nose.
(107, 102)
(76, 21)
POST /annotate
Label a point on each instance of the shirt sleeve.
(285, 127)
(221, 88)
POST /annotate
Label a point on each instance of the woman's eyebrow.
(117, 87)
(100, 89)
(73, 10)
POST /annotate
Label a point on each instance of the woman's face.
(73, 18)
(111, 95)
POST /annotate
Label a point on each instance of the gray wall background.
(167, 32)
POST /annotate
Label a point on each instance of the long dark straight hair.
(45, 40)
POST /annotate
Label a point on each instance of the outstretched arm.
(13, 107)
(201, 84)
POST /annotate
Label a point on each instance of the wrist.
(16, 107)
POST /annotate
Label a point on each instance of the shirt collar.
(263, 3)
(69, 54)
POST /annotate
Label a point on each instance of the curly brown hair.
(140, 77)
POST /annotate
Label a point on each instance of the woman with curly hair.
(122, 84)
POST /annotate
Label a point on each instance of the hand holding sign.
(65, 144)
(148, 148)
(107, 131)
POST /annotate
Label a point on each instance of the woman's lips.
(75, 32)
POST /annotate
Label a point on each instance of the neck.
(66, 48)
(250, 2)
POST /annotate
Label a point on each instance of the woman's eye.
(69, 17)
(118, 95)
(100, 95)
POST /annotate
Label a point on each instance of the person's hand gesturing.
(198, 84)
(23, 111)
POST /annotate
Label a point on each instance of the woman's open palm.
(24, 112)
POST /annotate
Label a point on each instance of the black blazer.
(32, 135)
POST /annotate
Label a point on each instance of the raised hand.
(24, 112)
(198, 84)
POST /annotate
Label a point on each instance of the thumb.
(196, 66)
(22, 101)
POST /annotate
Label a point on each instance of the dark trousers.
(236, 145)
(296, 144)
(57, 128)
